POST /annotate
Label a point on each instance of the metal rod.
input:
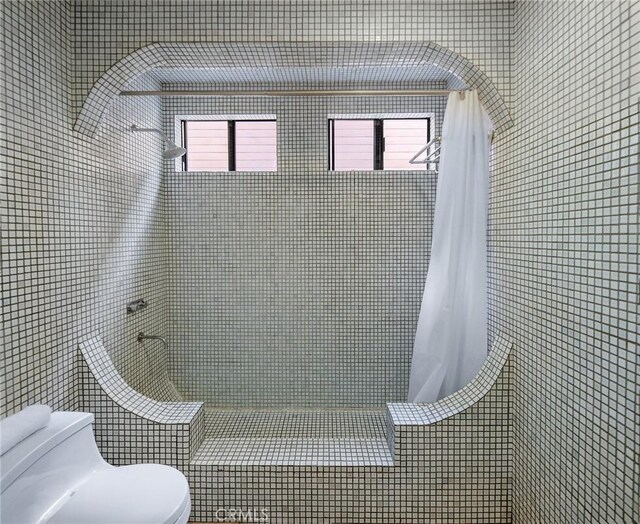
(148, 130)
(312, 92)
(142, 337)
(414, 158)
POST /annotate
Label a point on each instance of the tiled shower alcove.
(289, 331)
(84, 232)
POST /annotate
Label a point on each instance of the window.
(376, 144)
(229, 145)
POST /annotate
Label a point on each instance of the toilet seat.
(139, 494)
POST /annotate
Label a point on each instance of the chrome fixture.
(136, 305)
(432, 157)
(142, 337)
(171, 150)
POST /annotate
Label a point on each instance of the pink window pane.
(402, 140)
(256, 146)
(207, 146)
(353, 145)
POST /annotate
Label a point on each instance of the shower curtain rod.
(326, 92)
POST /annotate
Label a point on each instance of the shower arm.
(149, 130)
(142, 337)
(171, 150)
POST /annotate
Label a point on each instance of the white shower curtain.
(451, 337)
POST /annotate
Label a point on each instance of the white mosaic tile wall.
(106, 32)
(299, 288)
(82, 231)
(565, 229)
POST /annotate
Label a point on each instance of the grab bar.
(142, 337)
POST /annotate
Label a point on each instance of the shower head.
(171, 150)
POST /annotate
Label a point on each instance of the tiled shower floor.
(331, 438)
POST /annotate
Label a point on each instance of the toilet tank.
(40, 473)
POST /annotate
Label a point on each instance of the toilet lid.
(140, 494)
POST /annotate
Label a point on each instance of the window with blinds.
(230, 145)
(376, 144)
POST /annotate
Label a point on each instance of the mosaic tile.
(565, 260)
(290, 424)
(296, 284)
(83, 233)
(293, 451)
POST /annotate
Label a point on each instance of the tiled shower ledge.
(333, 438)
(262, 438)
(282, 438)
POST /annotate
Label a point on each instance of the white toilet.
(55, 474)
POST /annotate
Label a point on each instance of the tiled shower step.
(291, 438)
(359, 424)
(293, 452)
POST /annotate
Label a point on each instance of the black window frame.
(231, 143)
(378, 139)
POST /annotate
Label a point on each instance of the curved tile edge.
(129, 427)
(412, 414)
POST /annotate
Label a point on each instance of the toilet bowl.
(56, 475)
